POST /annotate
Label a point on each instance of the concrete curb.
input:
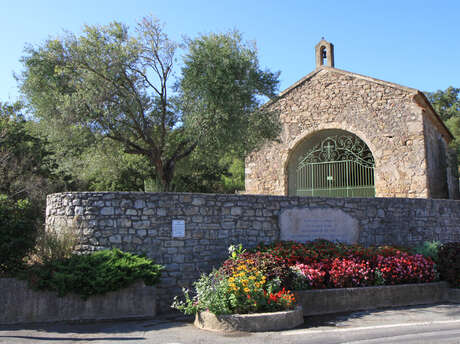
(258, 322)
(327, 301)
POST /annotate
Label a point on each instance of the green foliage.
(449, 263)
(211, 294)
(233, 180)
(235, 251)
(453, 124)
(429, 249)
(110, 84)
(446, 103)
(25, 164)
(222, 88)
(92, 274)
(106, 167)
(209, 173)
(17, 234)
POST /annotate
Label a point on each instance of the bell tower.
(324, 54)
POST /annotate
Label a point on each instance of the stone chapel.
(349, 135)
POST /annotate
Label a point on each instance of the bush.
(17, 234)
(429, 249)
(273, 267)
(405, 268)
(309, 276)
(211, 294)
(351, 272)
(244, 290)
(449, 263)
(92, 274)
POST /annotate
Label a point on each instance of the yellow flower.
(231, 279)
(257, 284)
(246, 290)
(252, 277)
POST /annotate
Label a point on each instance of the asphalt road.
(422, 324)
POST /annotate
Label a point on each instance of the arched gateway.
(332, 163)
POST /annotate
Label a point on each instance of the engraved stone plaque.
(304, 224)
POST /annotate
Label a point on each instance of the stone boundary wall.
(142, 222)
(20, 305)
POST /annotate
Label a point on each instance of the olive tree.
(125, 87)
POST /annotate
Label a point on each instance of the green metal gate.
(339, 166)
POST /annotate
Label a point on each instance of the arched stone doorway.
(331, 163)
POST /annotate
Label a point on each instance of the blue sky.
(412, 43)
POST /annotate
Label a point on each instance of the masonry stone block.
(107, 211)
(115, 239)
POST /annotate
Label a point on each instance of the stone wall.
(389, 118)
(141, 222)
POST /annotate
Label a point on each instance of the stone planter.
(454, 295)
(20, 305)
(325, 301)
(257, 322)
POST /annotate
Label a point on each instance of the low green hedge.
(92, 274)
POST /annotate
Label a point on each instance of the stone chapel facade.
(349, 135)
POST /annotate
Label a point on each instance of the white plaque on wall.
(304, 224)
(178, 228)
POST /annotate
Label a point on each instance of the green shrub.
(211, 294)
(95, 273)
(449, 263)
(429, 249)
(17, 234)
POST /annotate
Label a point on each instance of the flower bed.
(322, 264)
(261, 280)
(242, 290)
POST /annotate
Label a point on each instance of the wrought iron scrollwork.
(338, 148)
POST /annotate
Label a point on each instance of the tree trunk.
(164, 174)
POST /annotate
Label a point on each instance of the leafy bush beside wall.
(449, 263)
(95, 273)
(17, 234)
